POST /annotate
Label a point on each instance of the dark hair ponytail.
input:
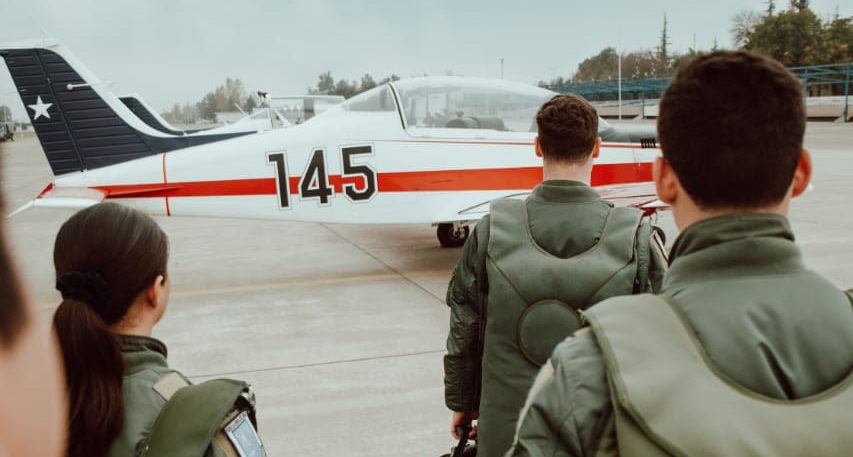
(93, 370)
(104, 256)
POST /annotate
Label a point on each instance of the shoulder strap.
(644, 234)
(192, 416)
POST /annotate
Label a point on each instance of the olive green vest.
(201, 420)
(533, 304)
(670, 400)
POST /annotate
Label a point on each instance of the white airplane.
(431, 150)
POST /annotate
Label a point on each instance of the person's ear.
(596, 150)
(802, 174)
(154, 292)
(666, 182)
(538, 147)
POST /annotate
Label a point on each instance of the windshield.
(455, 102)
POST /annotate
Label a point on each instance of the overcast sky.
(176, 51)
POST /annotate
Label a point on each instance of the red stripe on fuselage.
(523, 178)
(502, 143)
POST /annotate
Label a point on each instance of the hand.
(463, 418)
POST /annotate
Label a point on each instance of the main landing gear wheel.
(452, 235)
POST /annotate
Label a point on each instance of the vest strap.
(192, 417)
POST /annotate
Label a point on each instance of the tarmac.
(341, 328)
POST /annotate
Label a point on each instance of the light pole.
(502, 68)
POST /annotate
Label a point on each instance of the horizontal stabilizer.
(64, 197)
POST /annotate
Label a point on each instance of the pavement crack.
(388, 266)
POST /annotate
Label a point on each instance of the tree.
(599, 67)
(797, 37)
(663, 50)
(604, 66)
(367, 83)
(836, 41)
(345, 88)
(743, 24)
(771, 8)
(326, 85)
(250, 104)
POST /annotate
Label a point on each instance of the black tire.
(449, 237)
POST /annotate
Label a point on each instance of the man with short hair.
(529, 267)
(745, 351)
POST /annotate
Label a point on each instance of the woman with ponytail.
(111, 270)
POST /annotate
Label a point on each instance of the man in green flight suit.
(531, 266)
(745, 351)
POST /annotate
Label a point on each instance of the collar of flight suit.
(142, 352)
(564, 191)
(732, 246)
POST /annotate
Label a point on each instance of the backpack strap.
(194, 415)
(644, 234)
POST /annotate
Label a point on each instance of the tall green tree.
(250, 104)
(792, 37)
(798, 37)
(326, 85)
(600, 67)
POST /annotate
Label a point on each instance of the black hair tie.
(88, 286)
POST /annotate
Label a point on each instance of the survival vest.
(670, 400)
(533, 303)
(213, 419)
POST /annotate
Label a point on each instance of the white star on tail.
(40, 109)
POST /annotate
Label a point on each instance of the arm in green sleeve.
(568, 405)
(466, 296)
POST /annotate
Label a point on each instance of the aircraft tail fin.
(80, 124)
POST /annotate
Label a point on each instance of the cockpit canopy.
(459, 102)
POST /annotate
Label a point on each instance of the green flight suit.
(144, 365)
(190, 422)
(548, 250)
(765, 322)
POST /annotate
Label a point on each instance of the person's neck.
(567, 171)
(139, 328)
(688, 214)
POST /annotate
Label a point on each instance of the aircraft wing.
(638, 195)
